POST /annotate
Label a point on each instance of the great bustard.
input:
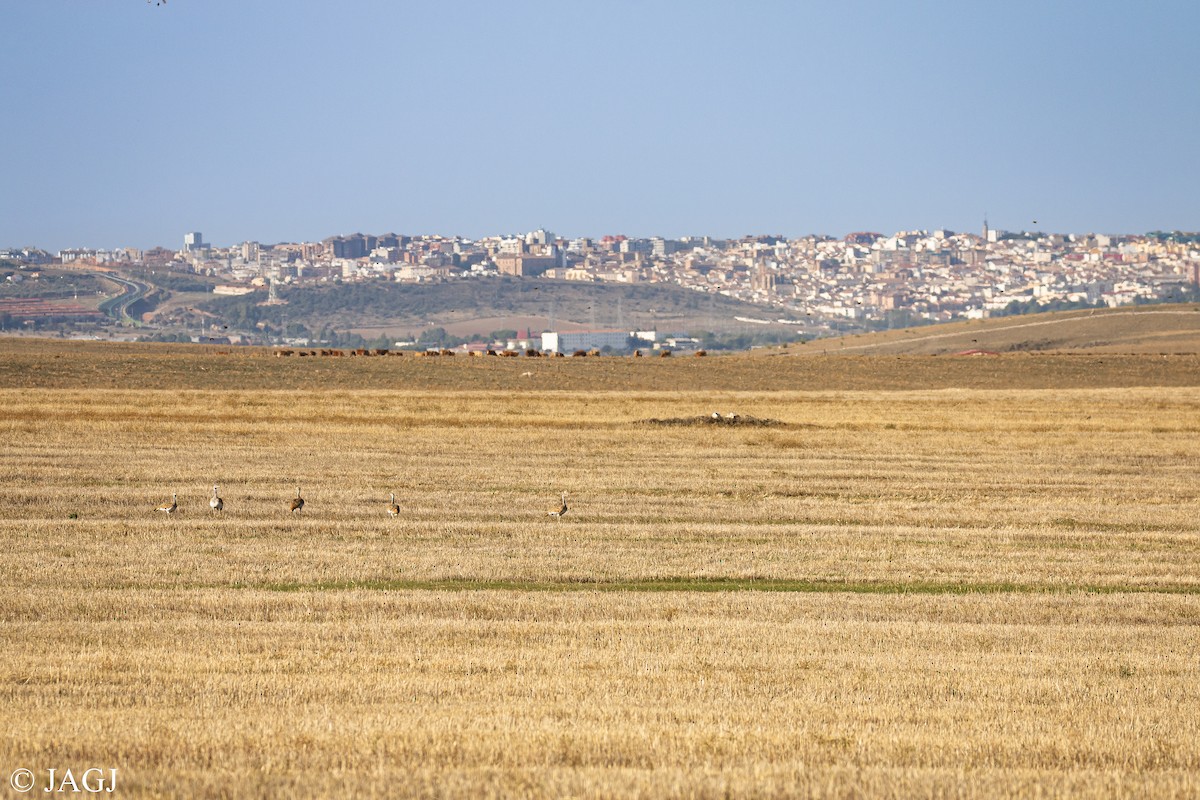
(561, 511)
(298, 503)
(169, 508)
(393, 509)
(215, 502)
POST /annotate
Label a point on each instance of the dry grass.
(1148, 330)
(218, 692)
(965, 593)
(55, 364)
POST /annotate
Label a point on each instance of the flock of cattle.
(530, 353)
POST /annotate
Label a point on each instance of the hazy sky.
(126, 123)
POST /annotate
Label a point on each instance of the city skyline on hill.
(196, 240)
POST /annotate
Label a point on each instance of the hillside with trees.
(413, 308)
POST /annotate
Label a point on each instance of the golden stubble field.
(953, 593)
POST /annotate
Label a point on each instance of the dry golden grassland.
(58, 364)
(1149, 330)
(954, 593)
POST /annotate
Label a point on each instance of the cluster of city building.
(933, 275)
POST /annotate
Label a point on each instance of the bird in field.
(298, 503)
(393, 509)
(560, 512)
(215, 502)
(169, 508)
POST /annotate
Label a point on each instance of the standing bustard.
(393, 509)
(215, 502)
(561, 511)
(298, 503)
(169, 508)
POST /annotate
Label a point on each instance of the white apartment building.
(558, 342)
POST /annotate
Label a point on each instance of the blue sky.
(129, 124)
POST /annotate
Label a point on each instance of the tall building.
(356, 245)
(193, 241)
(526, 264)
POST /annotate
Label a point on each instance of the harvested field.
(1144, 330)
(54, 364)
(967, 592)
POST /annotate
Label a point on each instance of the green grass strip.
(681, 584)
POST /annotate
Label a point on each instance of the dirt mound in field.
(715, 418)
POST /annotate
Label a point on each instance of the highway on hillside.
(118, 307)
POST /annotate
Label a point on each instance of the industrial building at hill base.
(558, 342)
